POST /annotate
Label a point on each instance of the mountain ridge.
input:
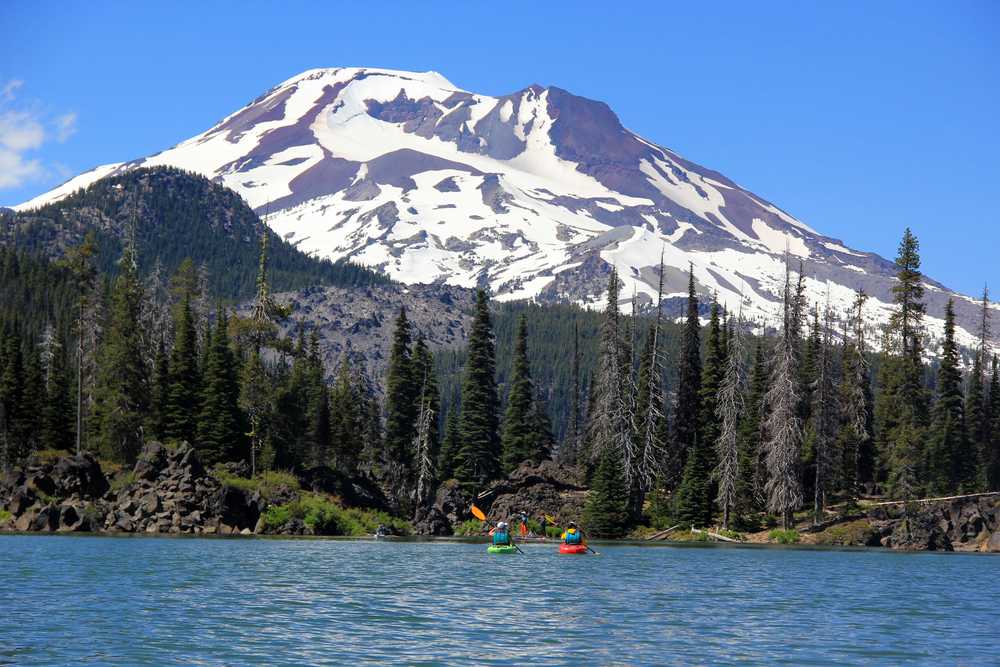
(535, 194)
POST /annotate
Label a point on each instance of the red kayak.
(572, 548)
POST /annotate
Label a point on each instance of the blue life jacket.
(501, 537)
(574, 537)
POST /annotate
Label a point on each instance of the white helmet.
(502, 524)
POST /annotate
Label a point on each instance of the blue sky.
(860, 118)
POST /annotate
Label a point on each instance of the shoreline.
(430, 539)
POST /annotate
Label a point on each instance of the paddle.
(478, 513)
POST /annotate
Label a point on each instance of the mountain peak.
(535, 194)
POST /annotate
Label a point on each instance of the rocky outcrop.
(959, 524)
(172, 493)
(546, 488)
(167, 491)
(64, 496)
(450, 508)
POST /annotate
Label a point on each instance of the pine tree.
(480, 453)
(11, 391)
(220, 424)
(901, 404)
(977, 408)
(257, 401)
(947, 459)
(605, 513)
(570, 448)
(992, 457)
(712, 374)
(782, 426)
(822, 428)
(57, 411)
(180, 418)
(729, 409)
(751, 437)
(448, 458)
(317, 412)
(80, 260)
(650, 422)
(688, 406)
(346, 421)
(694, 494)
(122, 393)
(159, 396)
(400, 398)
(855, 403)
(520, 440)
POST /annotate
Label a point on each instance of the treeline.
(103, 364)
(178, 216)
(768, 425)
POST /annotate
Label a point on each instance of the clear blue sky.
(860, 118)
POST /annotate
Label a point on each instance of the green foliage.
(5, 516)
(269, 483)
(523, 438)
(122, 480)
(470, 528)
(694, 495)
(323, 516)
(606, 513)
(853, 533)
(780, 536)
(180, 215)
(479, 421)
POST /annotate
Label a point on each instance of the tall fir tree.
(57, 412)
(220, 427)
(317, 407)
(729, 410)
(855, 405)
(822, 426)
(180, 418)
(448, 459)
(480, 452)
(520, 440)
(901, 404)
(400, 398)
(783, 429)
(977, 407)
(947, 464)
(687, 412)
(605, 512)
(122, 391)
(992, 457)
(347, 420)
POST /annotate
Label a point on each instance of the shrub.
(853, 533)
(122, 481)
(323, 516)
(733, 535)
(470, 528)
(784, 536)
(50, 455)
(5, 516)
(269, 483)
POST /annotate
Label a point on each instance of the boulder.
(80, 476)
(992, 545)
(47, 519)
(431, 521)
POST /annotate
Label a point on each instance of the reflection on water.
(79, 600)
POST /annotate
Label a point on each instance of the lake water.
(101, 600)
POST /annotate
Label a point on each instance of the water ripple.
(133, 601)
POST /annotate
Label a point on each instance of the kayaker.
(501, 535)
(572, 535)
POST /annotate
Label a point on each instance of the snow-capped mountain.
(536, 194)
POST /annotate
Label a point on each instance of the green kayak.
(498, 549)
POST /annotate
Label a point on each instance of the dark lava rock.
(80, 476)
(547, 488)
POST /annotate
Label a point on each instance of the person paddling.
(572, 535)
(501, 535)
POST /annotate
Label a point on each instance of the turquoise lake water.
(101, 600)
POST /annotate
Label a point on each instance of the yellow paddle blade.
(478, 513)
(550, 519)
